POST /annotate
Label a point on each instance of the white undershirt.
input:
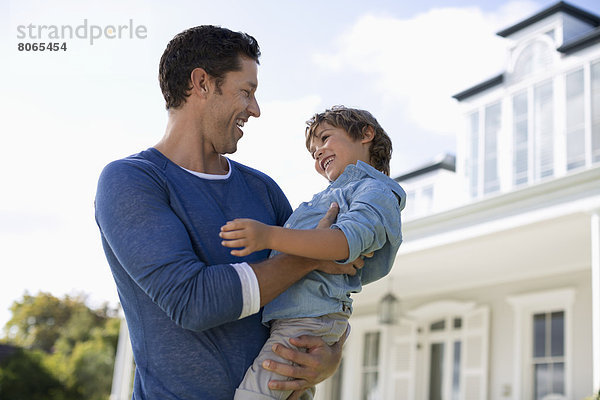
(250, 289)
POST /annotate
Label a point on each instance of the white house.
(498, 278)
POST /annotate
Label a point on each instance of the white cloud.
(421, 62)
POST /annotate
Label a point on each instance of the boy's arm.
(250, 236)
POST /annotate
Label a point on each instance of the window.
(370, 366)
(544, 129)
(335, 383)
(575, 121)
(536, 57)
(520, 139)
(419, 202)
(595, 87)
(490, 166)
(548, 362)
(409, 209)
(541, 344)
(473, 156)
(427, 199)
(444, 342)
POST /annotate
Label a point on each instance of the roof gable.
(561, 6)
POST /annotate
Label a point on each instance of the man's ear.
(200, 81)
(368, 134)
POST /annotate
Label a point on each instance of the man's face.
(230, 107)
(333, 149)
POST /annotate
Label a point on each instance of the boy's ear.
(368, 134)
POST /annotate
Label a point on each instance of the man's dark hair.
(216, 50)
(355, 122)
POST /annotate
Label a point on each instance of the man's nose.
(253, 108)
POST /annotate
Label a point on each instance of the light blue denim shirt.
(370, 204)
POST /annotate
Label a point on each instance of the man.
(193, 308)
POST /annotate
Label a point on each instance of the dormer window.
(535, 57)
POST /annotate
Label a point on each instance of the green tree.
(36, 321)
(23, 376)
(73, 343)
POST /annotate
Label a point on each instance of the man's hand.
(248, 234)
(329, 217)
(331, 267)
(315, 365)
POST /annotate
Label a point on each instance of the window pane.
(336, 382)
(595, 111)
(575, 121)
(520, 139)
(427, 199)
(544, 129)
(371, 348)
(558, 378)
(473, 167)
(541, 381)
(369, 391)
(456, 372)
(438, 325)
(539, 335)
(457, 323)
(490, 167)
(534, 58)
(409, 208)
(436, 371)
(557, 336)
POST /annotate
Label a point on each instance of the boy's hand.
(246, 233)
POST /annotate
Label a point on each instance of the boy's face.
(333, 149)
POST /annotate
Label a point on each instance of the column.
(595, 225)
(121, 384)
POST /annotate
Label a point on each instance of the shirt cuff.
(250, 289)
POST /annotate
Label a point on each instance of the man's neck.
(184, 145)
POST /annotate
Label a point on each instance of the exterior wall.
(502, 337)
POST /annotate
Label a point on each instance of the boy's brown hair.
(355, 122)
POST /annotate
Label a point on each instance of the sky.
(66, 114)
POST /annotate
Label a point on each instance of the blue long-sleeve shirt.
(370, 205)
(181, 297)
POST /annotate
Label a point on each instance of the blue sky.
(66, 114)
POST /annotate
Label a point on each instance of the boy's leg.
(255, 384)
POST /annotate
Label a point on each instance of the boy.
(352, 151)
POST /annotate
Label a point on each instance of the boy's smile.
(333, 149)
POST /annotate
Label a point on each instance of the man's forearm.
(278, 273)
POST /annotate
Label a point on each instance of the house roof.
(581, 42)
(572, 46)
(496, 80)
(561, 6)
(446, 161)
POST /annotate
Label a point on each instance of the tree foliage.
(66, 345)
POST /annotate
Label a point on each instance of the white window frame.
(351, 385)
(469, 312)
(524, 307)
